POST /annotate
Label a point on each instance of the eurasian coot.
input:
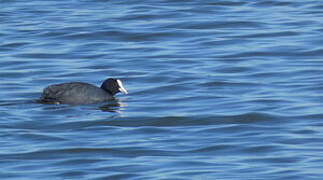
(82, 93)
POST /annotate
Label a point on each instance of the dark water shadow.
(113, 106)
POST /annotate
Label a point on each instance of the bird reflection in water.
(114, 106)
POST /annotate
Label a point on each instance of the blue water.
(228, 89)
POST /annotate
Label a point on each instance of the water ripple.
(217, 90)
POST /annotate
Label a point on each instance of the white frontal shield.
(121, 88)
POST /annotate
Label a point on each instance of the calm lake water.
(229, 89)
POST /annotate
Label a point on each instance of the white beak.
(121, 88)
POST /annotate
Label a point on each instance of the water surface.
(228, 89)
